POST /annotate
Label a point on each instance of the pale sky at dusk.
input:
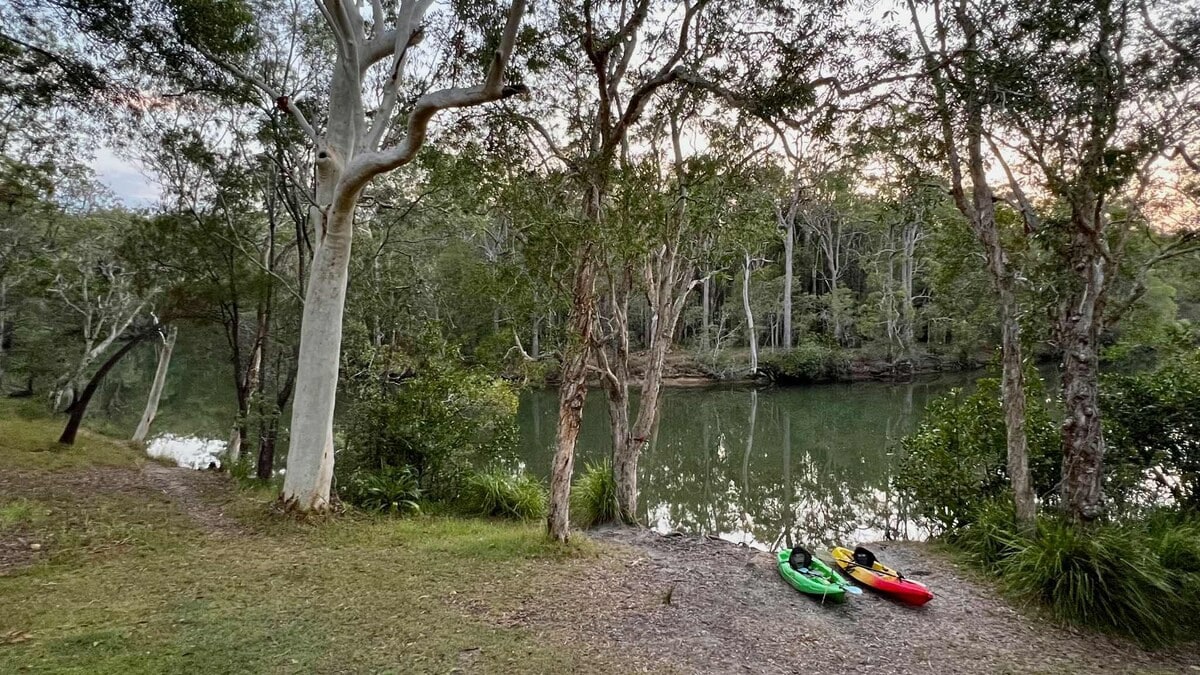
(124, 178)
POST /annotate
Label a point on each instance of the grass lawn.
(127, 580)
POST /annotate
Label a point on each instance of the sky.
(125, 178)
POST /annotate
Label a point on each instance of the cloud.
(127, 179)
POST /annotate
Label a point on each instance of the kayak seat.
(864, 558)
(799, 558)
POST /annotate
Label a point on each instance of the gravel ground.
(730, 612)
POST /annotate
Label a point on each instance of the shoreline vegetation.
(112, 562)
(687, 369)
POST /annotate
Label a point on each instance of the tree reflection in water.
(814, 465)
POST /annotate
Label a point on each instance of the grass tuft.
(1138, 578)
(18, 513)
(594, 496)
(505, 495)
(993, 536)
(1105, 577)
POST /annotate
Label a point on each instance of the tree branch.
(1032, 223)
(545, 134)
(409, 35)
(280, 100)
(370, 164)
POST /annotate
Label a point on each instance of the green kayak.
(811, 576)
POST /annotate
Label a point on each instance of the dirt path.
(199, 494)
(729, 612)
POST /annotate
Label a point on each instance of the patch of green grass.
(18, 512)
(594, 495)
(30, 441)
(367, 594)
(129, 582)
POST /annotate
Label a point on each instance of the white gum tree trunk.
(785, 217)
(156, 388)
(349, 154)
(752, 334)
(789, 237)
(310, 455)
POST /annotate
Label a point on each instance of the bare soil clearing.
(730, 612)
(201, 495)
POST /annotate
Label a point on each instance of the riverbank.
(686, 369)
(110, 562)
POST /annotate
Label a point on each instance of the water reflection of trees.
(808, 465)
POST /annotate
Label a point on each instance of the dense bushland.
(427, 419)
(956, 457)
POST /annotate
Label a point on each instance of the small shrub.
(956, 460)
(1140, 578)
(505, 495)
(992, 537)
(1175, 539)
(1150, 424)
(430, 411)
(392, 490)
(594, 495)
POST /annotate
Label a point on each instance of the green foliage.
(1140, 578)
(594, 495)
(503, 494)
(991, 536)
(391, 490)
(1108, 577)
(1152, 427)
(958, 455)
(430, 412)
(808, 362)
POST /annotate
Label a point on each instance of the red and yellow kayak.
(862, 566)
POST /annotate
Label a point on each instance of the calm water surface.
(754, 466)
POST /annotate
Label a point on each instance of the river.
(752, 466)
(742, 464)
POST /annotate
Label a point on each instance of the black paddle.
(875, 571)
